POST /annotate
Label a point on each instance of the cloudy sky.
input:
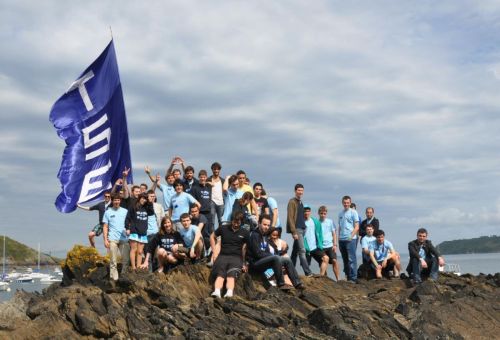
(393, 103)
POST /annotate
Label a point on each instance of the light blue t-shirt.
(273, 205)
(115, 219)
(180, 205)
(347, 218)
(328, 228)
(310, 234)
(152, 225)
(381, 250)
(229, 197)
(168, 192)
(367, 243)
(188, 234)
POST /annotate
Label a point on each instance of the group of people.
(147, 234)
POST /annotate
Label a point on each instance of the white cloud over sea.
(394, 103)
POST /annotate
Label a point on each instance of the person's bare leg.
(218, 284)
(287, 280)
(91, 239)
(133, 251)
(323, 266)
(140, 249)
(162, 258)
(336, 271)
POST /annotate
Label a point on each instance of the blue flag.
(90, 117)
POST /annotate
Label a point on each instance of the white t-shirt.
(217, 197)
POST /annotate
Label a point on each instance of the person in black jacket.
(261, 259)
(370, 219)
(167, 241)
(424, 258)
(136, 224)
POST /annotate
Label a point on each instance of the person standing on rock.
(261, 259)
(348, 231)
(329, 239)
(424, 258)
(115, 237)
(313, 241)
(296, 226)
(229, 263)
(101, 208)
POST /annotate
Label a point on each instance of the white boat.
(453, 268)
(25, 278)
(4, 287)
(51, 279)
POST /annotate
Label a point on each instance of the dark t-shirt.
(165, 241)
(189, 186)
(202, 194)
(101, 208)
(300, 223)
(232, 241)
(262, 204)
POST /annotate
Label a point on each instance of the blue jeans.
(348, 251)
(300, 250)
(217, 211)
(432, 268)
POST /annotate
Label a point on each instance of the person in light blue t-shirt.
(180, 204)
(348, 231)
(168, 190)
(231, 194)
(383, 256)
(273, 211)
(329, 239)
(367, 243)
(115, 237)
(191, 236)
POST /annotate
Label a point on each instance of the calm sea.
(469, 263)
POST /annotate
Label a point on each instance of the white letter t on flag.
(80, 84)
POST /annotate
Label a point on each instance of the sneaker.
(309, 275)
(228, 295)
(210, 264)
(215, 294)
(285, 287)
(273, 283)
(300, 286)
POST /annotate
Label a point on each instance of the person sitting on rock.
(229, 263)
(166, 243)
(383, 256)
(261, 259)
(367, 242)
(424, 258)
(279, 247)
(191, 236)
(313, 241)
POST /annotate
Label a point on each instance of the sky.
(393, 103)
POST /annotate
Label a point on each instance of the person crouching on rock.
(424, 258)
(191, 235)
(229, 263)
(166, 243)
(383, 255)
(261, 259)
(137, 228)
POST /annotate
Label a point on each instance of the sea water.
(469, 263)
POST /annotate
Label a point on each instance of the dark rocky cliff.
(150, 306)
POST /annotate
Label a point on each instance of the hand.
(295, 236)
(379, 267)
(423, 263)
(441, 261)
(144, 265)
(158, 178)
(244, 269)
(119, 181)
(125, 172)
(147, 169)
(106, 244)
(192, 254)
(128, 232)
(334, 248)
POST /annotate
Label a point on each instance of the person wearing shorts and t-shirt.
(313, 241)
(329, 239)
(229, 263)
(137, 229)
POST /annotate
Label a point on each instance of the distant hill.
(18, 254)
(483, 244)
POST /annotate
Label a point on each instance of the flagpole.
(111, 32)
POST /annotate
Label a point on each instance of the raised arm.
(126, 192)
(225, 186)
(119, 182)
(147, 170)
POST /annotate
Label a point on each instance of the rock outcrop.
(158, 306)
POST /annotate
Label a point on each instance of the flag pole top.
(111, 32)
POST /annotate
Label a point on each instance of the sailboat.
(4, 286)
(36, 274)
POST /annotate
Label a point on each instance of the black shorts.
(227, 266)
(332, 256)
(318, 254)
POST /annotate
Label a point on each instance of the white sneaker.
(215, 294)
(228, 294)
(273, 283)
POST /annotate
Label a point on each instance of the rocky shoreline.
(177, 305)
